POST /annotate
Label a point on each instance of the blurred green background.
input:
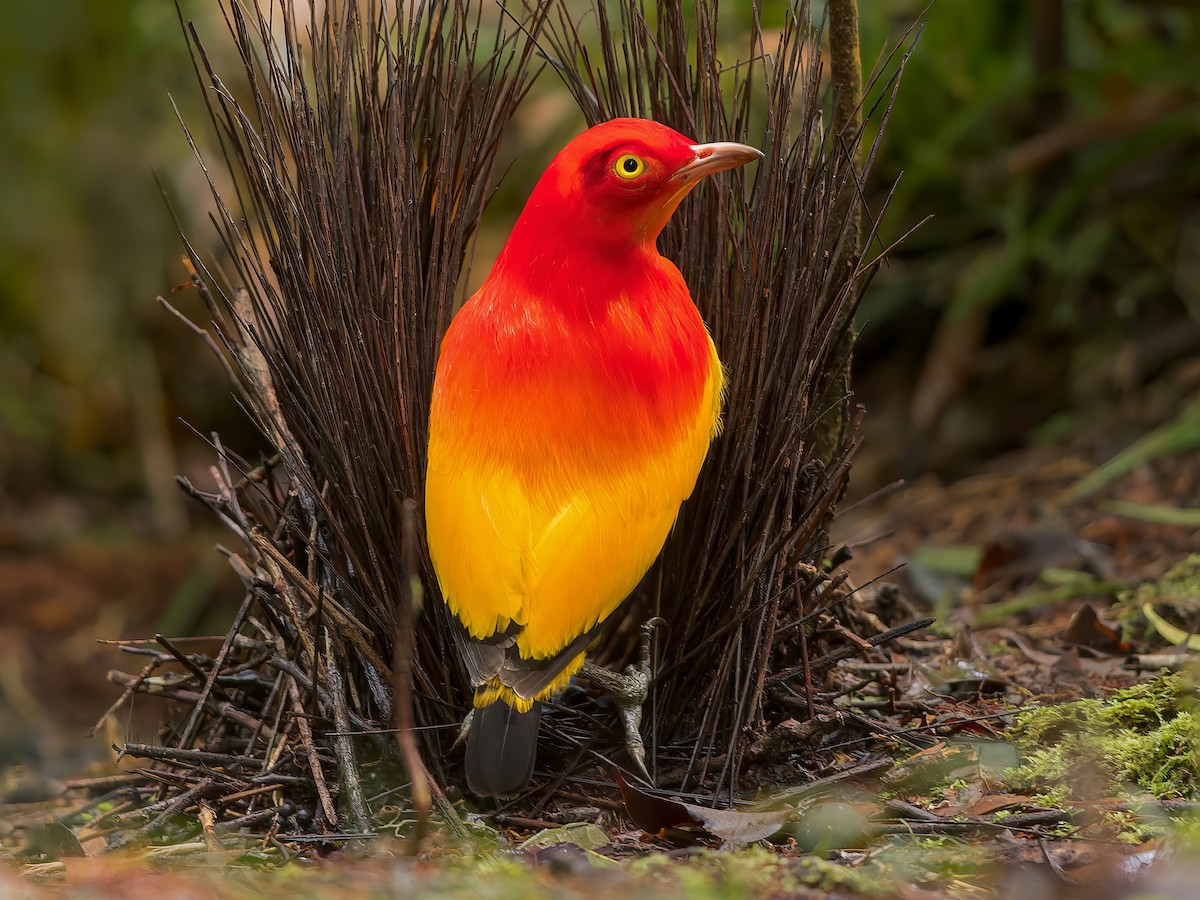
(1053, 146)
(92, 371)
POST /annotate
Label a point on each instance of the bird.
(575, 397)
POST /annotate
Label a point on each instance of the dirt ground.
(58, 600)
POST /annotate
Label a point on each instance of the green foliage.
(934, 860)
(1163, 515)
(972, 95)
(752, 873)
(1061, 186)
(1146, 735)
(85, 242)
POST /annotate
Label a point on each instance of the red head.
(613, 188)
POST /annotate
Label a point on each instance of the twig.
(182, 754)
(841, 653)
(186, 661)
(292, 669)
(314, 760)
(198, 701)
(408, 605)
(342, 747)
(350, 626)
(189, 730)
(103, 783)
(208, 821)
(254, 818)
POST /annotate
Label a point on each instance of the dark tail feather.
(501, 748)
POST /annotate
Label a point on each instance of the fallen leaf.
(1087, 629)
(56, 840)
(656, 815)
(989, 804)
(581, 834)
(737, 827)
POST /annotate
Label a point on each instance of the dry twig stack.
(363, 149)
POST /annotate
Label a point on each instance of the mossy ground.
(1146, 736)
(705, 873)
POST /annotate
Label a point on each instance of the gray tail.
(501, 749)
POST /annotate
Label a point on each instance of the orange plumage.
(575, 398)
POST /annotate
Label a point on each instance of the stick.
(342, 746)
(402, 661)
(314, 760)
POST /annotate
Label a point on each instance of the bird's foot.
(629, 690)
(463, 730)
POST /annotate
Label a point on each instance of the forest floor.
(1042, 734)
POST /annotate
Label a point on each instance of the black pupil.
(630, 165)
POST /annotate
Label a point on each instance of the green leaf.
(581, 834)
(1160, 515)
(1170, 633)
(1037, 599)
(960, 560)
(1179, 435)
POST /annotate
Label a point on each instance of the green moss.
(930, 861)
(825, 875)
(1147, 735)
(1185, 830)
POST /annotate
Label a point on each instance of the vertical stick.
(411, 597)
(845, 72)
(343, 747)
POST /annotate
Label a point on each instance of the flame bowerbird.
(576, 395)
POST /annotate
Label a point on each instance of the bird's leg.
(629, 690)
(464, 729)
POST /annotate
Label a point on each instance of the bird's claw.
(630, 691)
(463, 730)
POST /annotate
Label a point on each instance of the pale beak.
(715, 158)
(708, 158)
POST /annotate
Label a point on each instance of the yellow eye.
(629, 166)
